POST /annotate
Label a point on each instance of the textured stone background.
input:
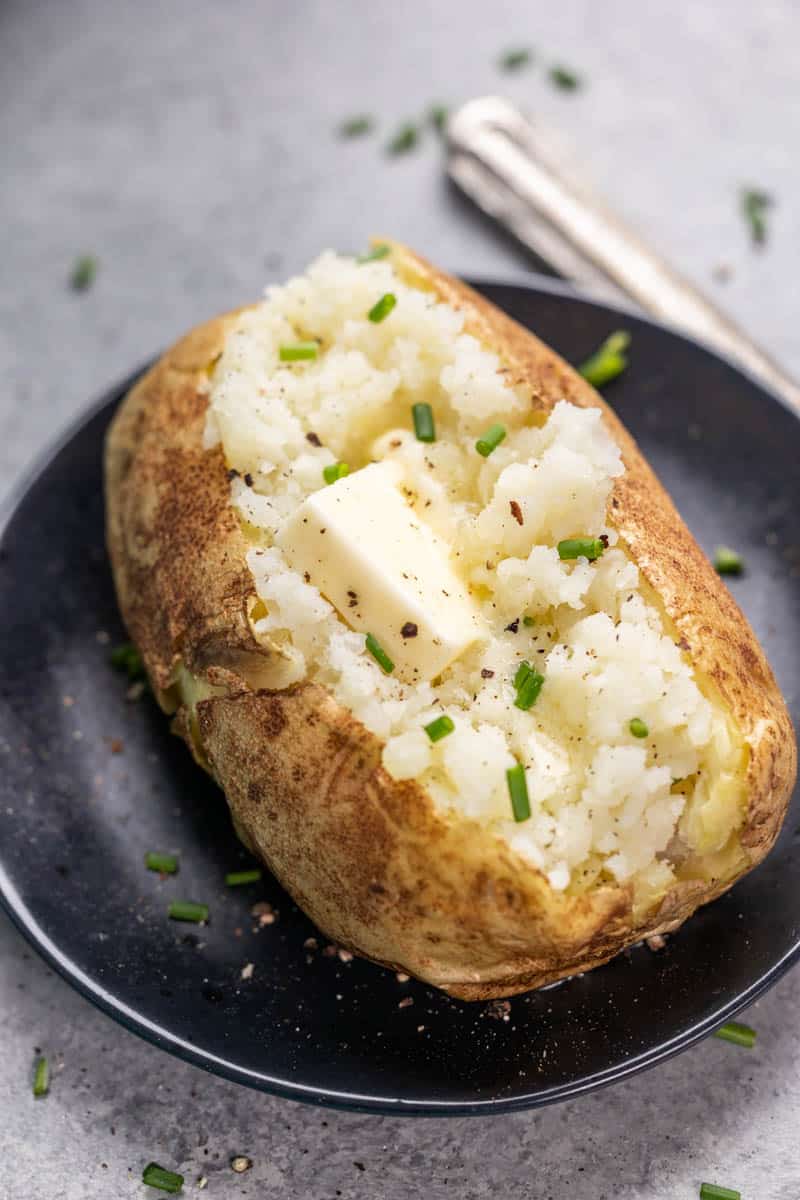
(189, 145)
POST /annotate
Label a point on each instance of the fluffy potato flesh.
(656, 751)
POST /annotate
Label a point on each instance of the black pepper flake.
(516, 511)
(233, 473)
(513, 627)
(306, 576)
(248, 479)
(486, 673)
(313, 438)
(604, 539)
(409, 630)
(352, 599)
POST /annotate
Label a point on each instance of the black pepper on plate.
(409, 630)
(314, 439)
(233, 473)
(514, 626)
(248, 479)
(486, 673)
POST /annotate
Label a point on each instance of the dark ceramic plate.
(79, 808)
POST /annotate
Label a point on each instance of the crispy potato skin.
(369, 858)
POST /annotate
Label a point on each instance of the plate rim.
(24, 921)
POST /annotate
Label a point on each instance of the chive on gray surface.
(194, 152)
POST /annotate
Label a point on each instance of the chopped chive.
(437, 115)
(376, 253)
(380, 311)
(356, 126)
(608, 361)
(529, 621)
(490, 440)
(299, 352)
(518, 791)
(439, 728)
(587, 547)
(335, 471)
(727, 561)
(240, 878)
(514, 60)
(638, 728)
(167, 864)
(740, 1035)
(522, 673)
(379, 654)
(564, 79)
(127, 658)
(528, 688)
(424, 427)
(41, 1078)
(184, 910)
(159, 1177)
(404, 140)
(713, 1191)
(755, 203)
(83, 273)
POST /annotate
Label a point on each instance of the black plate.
(76, 817)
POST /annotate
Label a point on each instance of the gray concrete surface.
(189, 145)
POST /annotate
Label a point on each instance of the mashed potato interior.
(605, 804)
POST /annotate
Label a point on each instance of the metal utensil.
(498, 157)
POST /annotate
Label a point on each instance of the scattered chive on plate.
(159, 1177)
(41, 1078)
(740, 1035)
(165, 864)
(185, 910)
(608, 361)
(242, 878)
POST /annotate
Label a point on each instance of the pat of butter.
(387, 573)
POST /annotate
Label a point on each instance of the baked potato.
(414, 598)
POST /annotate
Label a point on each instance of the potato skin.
(369, 858)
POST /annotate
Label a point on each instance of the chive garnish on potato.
(379, 654)
(299, 352)
(638, 728)
(439, 728)
(490, 440)
(424, 427)
(518, 792)
(528, 682)
(335, 471)
(586, 547)
(381, 309)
